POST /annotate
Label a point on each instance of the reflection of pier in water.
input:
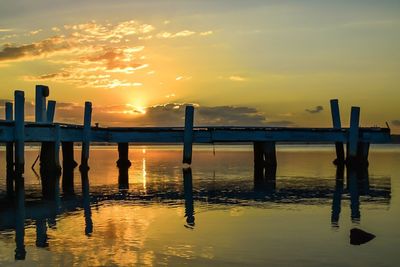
(355, 188)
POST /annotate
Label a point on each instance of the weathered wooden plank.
(188, 135)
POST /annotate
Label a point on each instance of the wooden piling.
(51, 108)
(353, 135)
(269, 151)
(362, 153)
(42, 92)
(86, 135)
(57, 143)
(123, 164)
(19, 135)
(9, 155)
(337, 125)
(188, 135)
(258, 154)
(123, 156)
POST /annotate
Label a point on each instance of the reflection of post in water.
(41, 233)
(123, 164)
(20, 251)
(358, 184)
(188, 192)
(337, 196)
(352, 185)
(86, 200)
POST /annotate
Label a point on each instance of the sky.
(273, 63)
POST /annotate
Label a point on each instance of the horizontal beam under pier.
(71, 133)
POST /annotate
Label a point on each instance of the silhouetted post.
(51, 109)
(68, 167)
(337, 196)
(123, 164)
(258, 154)
(269, 151)
(50, 168)
(86, 135)
(188, 135)
(188, 192)
(337, 125)
(19, 135)
(42, 92)
(353, 135)
(362, 153)
(123, 156)
(9, 155)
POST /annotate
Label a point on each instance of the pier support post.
(42, 92)
(86, 135)
(123, 156)
(353, 136)
(337, 125)
(19, 135)
(188, 135)
(258, 150)
(269, 153)
(9, 155)
(51, 108)
(123, 164)
(68, 167)
(362, 153)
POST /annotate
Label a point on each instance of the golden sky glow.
(242, 62)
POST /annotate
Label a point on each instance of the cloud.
(35, 32)
(237, 78)
(315, 110)
(396, 123)
(168, 35)
(5, 30)
(92, 54)
(170, 114)
(206, 33)
(43, 48)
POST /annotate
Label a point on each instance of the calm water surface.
(217, 214)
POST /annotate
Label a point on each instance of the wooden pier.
(15, 132)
